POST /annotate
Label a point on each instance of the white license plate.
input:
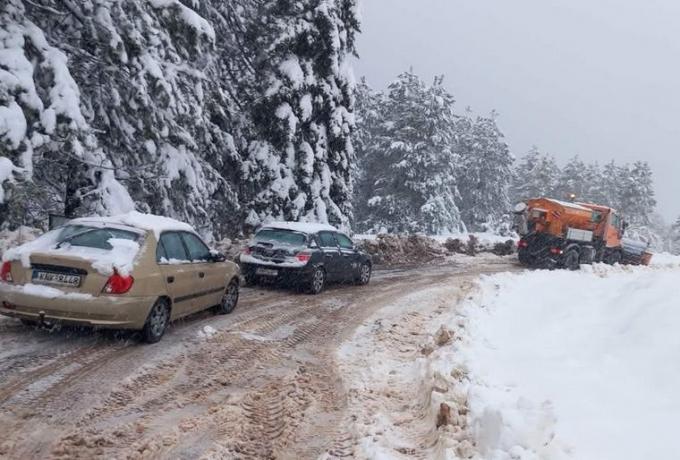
(56, 278)
(266, 272)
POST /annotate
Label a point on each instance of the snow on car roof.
(303, 227)
(157, 224)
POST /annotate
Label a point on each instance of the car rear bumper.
(292, 275)
(104, 311)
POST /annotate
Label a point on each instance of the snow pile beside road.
(572, 364)
(389, 249)
(665, 259)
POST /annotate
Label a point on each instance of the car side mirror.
(216, 256)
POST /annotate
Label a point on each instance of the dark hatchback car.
(304, 255)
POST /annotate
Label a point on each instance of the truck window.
(597, 217)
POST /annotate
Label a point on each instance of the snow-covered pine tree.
(535, 175)
(636, 193)
(485, 172)
(574, 180)
(47, 138)
(300, 169)
(171, 106)
(413, 166)
(610, 180)
(369, 115)
(675, 237)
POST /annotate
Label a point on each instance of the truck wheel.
(571, 260)
(523, 258)
(613, 258)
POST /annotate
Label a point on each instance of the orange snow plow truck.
(559, 234)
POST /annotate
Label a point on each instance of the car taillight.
(118, 284)
(522, 244)
(246, 251)
(303, 256)
(556, 251)
(6, 272)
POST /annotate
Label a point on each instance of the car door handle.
(171, 279)
(201, 275)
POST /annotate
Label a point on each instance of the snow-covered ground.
(573, 364)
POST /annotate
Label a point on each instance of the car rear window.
(93, 237)
(281, 236)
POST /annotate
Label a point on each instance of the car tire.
(157, 322)
(364, 275)
(229, 299)
(250, 279)
(571, 260)
(317, 281)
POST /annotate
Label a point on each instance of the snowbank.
(387, 249)
(573, 364)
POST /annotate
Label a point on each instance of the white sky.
(597, 78)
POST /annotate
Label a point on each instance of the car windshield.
(272, 235)
(93, 237)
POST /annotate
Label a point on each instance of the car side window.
(198, 251)
(327, 240)
(345, 242)
(173, 248)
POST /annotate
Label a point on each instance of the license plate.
(60, 279)
(266, 272)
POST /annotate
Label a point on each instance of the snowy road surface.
(267, 381)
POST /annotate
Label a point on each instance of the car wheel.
(156, 322)
(317, 282)
(364, 274)
(229, 299)
(250, 279)
(571, 260)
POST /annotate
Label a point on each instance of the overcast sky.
(597, 78)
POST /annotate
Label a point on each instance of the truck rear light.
(6, 272)
(303, 256)
(522, 244)
(556, 251)
(118, 284)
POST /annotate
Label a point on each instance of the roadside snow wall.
(582, 365)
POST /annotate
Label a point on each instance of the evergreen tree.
(369, 118)
(675, 237)
(304, 111)
(637, 193)
(485, 172)
(413, 167)
(207, 111)
(536, 175)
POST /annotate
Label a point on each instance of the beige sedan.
(133, 271)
